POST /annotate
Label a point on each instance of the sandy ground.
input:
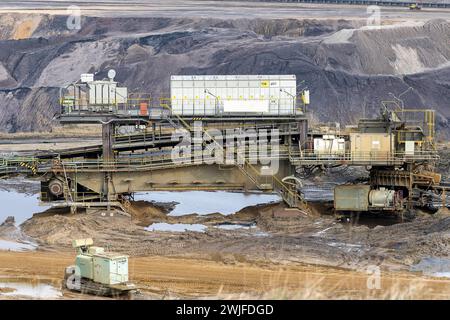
(162, 277)
(220, 9)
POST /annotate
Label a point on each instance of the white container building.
(221, 95)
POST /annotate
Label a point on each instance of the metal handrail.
(311, 155)
(73, 106)
(149, 162)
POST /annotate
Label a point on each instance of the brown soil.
(163, 277)
(25, 29)
(302, 239)
(278, 258)
(6, 290)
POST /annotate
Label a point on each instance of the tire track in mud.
(181, 277)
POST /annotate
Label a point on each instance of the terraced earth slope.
(349, 67)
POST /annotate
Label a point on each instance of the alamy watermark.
(74, 18)
(227, 147)
(374, 277)
(374, 19)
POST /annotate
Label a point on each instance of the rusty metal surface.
(351, 197)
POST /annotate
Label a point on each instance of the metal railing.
(246, 160)
(163, 107)
(17, 164)
(77, 196)
(213, 107)
(292, 197)
(363, 157)
(164, 161)
(133, 107)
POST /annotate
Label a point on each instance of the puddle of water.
(349, 247)
(322, 231)
(39, 291)
(176, 227)
(344, 245)
(436, 267)
(442, 274)
(261, 234)
(16, 246)
(228, 226)
(19, 205)
(204, 202)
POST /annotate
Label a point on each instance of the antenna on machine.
(111, 74)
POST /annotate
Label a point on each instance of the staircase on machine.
(287, 191)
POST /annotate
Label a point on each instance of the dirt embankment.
(444, 162)
(314, 239)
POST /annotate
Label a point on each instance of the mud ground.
(305, 257)
(317, 239)
(172, 278)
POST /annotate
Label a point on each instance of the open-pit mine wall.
(348, 67)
